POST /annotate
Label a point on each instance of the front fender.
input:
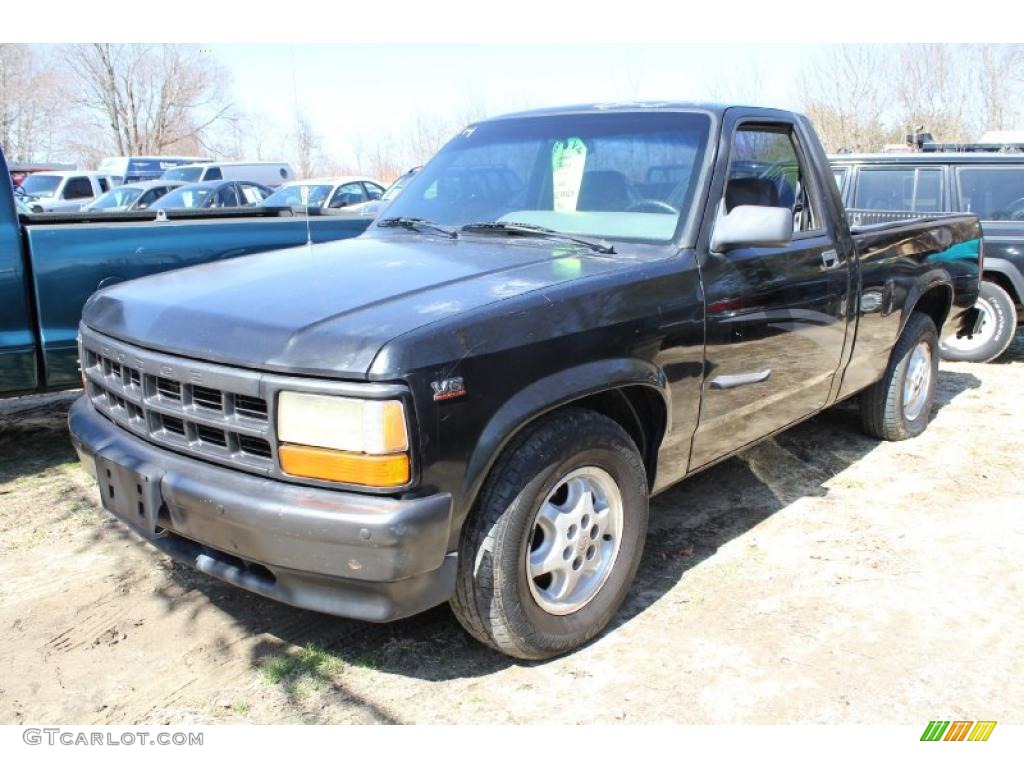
(549, 393)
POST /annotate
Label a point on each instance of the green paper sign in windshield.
(567, 160)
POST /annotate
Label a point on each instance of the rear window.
(993, 194)
(189, 173)
(899, 189)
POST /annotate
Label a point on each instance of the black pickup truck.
(565, 312)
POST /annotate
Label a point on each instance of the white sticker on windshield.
(567, 160)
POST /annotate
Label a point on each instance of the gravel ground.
(820, 577)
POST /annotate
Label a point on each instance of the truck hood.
(328, 309)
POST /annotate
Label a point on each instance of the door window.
(213, 174)
(252, 194)
(994, 194)
(78, 188)
(373, 191)
(766, 169)
(899, 189)
(347, 194)
(227, 197)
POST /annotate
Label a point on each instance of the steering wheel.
(651, 205)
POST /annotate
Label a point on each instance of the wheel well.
(935, 303)
(1004, 282)
(637, 409)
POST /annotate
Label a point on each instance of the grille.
(159, 398)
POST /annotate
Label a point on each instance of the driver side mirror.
(748, 226)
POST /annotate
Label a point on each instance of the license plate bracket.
(130, 491)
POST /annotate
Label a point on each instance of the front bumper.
(365, 557)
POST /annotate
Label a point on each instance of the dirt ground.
(820, 577)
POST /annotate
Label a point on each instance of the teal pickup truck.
(51, 263)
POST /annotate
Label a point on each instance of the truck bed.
(66, 257)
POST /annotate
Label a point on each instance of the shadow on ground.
(689, 523)
(685, 530)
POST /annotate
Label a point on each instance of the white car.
(328, 192)
(266, 173)
(64, 191)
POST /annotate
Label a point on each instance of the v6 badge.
(446, 389)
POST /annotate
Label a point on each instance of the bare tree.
(30, 103)
(845, 94)
(933, 90)
(148, 99)
(999, 81)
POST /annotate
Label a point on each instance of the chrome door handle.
(829, 259)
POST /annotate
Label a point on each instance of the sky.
(351, 90)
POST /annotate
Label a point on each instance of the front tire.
(549, 554)
(898, 405)
(998, 326)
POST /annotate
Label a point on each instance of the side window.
(840, 177)
(347, 194)
(373, 192)
(151, 196)
(104, 186)
(766, 169)
(252, 194)
(994, 194)
(213, 174)
(78, 188)
(899, 189)
(227, 197)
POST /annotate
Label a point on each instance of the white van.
(268, 174)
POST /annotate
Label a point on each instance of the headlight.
(343, 439)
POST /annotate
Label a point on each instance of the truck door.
(776, 318)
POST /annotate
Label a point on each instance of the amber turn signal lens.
(343, 467)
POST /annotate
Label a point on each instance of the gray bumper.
(365, 557)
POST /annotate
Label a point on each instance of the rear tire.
(898, 405)
(550, 552)
(998, 326)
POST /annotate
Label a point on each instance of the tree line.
(87, 101)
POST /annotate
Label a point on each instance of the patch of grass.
(241, 707)
(303, 672)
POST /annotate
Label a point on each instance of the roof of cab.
(632, 106)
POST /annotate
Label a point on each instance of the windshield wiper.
(417, 224)
(532, 230)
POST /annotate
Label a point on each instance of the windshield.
(183, 174)
(121, 197)
(620, 175)
(300, 195)
(41, 185)
(185, 197)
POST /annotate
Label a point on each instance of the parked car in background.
(220, 194)
(474, 400)
(266, 173)
(374, 207)
(328, 192)
(50, 264)
(126, 170)
(990, 185)
(132, 197)
(62, 191)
